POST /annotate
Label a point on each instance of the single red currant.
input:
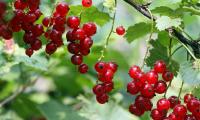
(173, 101)
(87, 3)
(133, 71)
(77, 59)
(148, 91)
(99, 90)
(83, 68)
(152, 77)
(132, 88)
(120, 30)
(134, 110)
(73, 22)
(160, 66)
(167, 76)
(29, 52)
(102, 99)
(163, 104)
(160, 87)
(180, 110)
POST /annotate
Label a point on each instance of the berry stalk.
(109, 35)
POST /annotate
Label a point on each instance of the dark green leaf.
(53, 110)
(159, 52)
(137, 31)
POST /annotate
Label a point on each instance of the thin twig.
(109, 35)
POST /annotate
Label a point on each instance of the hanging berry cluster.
(56, 27)
(26, 14)
(80, 41)
(105, 73)
(188, 111)
(148, 85)
(5, 31)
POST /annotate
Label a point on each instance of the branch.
(17, 92)
(193, 44)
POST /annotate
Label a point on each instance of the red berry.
(173, 101)
(108, 86)
(134, 110)
(172, 116)
(90, 29)
(70, 36)
(36, 45)
(50, 48)
(99, 90)
(152, 77)
(157, 115)
(190, 117)
(83, 68)
(160, 87)
(132, 88)
(20, 4)
(101, 67)
(86, 43)
(188, 97)
(112, 66)
(73, 22)
(87, 3)
(133, 71)
(120, 30)
(108, 75)
(193, 105)
(143, 103)
(180, 110)
(102, 99)
(73, 48)
(77, 59)
(62, 8)
(29, 52)
(167, 76)
(79, 34)
(163, 104)
(148, 91)
(46, 21)
(160, 66)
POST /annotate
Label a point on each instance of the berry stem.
(179, 94)
(109, 35)
(150, 36)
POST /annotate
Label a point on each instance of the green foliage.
(165, 22)
(90, 15)
(137, 31)
(159, 52)
(53, 110)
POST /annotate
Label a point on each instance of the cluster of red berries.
(105, 72)
(80, 41)
(148, 85)
(5, 31)
(26, 13)
(180, 112)
(56, 25)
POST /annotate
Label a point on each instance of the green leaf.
(53, 110)
(27, 107)
(137, 31)
(189, 74)
(166, 11)
(159, 52)
(36, 62)
(111, 111)
(18, 37)
(165, 22)
(169, 3)
(94, 15)
(163, 38)
(91, 14)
